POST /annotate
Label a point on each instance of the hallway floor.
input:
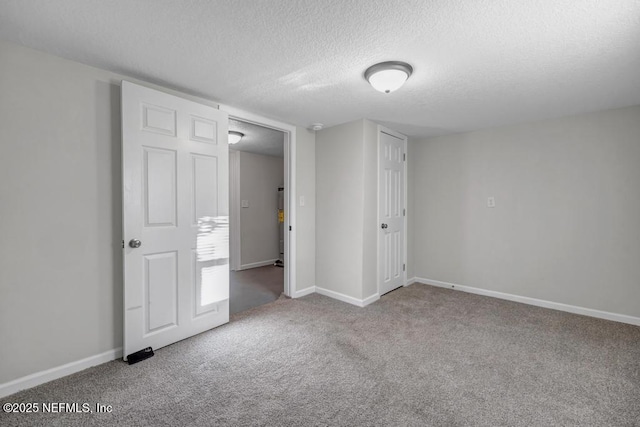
(254, 287)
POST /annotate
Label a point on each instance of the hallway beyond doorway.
(254, 287)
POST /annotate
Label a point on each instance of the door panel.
(160, 187)
(391, 213)
(203, 130)
(161, 291)
(205, 186)
(175, 190)
(158, 119)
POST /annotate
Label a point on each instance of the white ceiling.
(477, 63)
(258, 139)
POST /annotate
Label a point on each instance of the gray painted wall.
(339, 208)
(347, 209)
(260, 177)
(306, 215)
(411, 213)
(565, 226)
(371, 230)
(60, 212)
(61, 209)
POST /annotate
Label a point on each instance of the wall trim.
(623, 318)
(346, 298)
(257, 264)
(369, 300)
(411, 281)
(304, 292)
(42, 377)
(339, 296)
(235, 241)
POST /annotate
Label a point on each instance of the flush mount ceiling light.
(388, 76)
(235, 136)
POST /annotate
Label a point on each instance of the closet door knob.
(135, 243)
(384, 226)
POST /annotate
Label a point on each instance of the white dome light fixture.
(388, 76)
(235, 136)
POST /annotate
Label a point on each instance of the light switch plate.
(491, 202)
(301, 200)
(244, 203)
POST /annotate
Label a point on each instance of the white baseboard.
(304, 292)
(257, 264)
(410, 281)
(347, 298)
(58, 372)
(623, 318)
(373, 298)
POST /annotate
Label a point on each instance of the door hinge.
(404, 157)
(290, 229)
(404, 212)
(404, 267)
(123, 244)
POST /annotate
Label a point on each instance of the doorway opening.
(257, 175)
(289, 145)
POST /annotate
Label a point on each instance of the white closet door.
(391, 213)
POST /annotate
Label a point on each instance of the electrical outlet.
(244, 203)
(301, 200)
(491, 202)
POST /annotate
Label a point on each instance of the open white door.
(176, 218)
(391, 211)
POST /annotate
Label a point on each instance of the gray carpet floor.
(420, 356)
(254, 287)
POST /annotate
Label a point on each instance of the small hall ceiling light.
(235, 136)
(388, 76)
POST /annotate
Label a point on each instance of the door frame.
(234, 210)
(289, 189)
(404, 138)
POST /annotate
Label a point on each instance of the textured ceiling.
(258, 139)
(477, 63)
